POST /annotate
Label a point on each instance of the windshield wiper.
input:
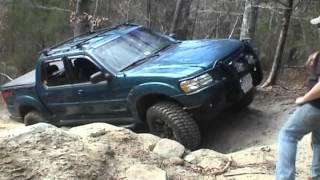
(140, 61)
(163, 48)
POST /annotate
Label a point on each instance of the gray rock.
(94, 129)
(102, 151)
(148, 141)
(207, 159)
(145, 172)
(43, 151)
(174, 161)
(168, 148)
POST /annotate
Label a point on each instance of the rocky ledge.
(102, 151)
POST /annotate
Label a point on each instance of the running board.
(114, 121)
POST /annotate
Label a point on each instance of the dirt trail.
(5, 122)
(257, 125)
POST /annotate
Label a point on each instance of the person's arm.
(311, 59)
(313, 94)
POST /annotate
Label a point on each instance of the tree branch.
(234, 27)
(51, 8)
(6, 76)
(282, 3)
(297, 4)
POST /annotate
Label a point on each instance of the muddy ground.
(258, 125)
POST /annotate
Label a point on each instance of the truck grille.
(237, 63)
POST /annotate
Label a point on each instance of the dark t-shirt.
(314, 78)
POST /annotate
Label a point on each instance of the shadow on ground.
(234, 131)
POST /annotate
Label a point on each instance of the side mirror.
(173, 36)
(99, 76)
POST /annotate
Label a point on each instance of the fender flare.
(151, 88)
(28, 101)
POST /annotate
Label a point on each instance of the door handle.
(80, 91)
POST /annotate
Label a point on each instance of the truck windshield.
(130, 48)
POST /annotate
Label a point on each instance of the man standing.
(305, 119)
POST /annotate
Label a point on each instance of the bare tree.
(175, 16)
(181, 22)
(149, 13)
(81, 24)
(281, 44)
(249, 20)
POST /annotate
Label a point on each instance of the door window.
(82, 69)
(55, 74)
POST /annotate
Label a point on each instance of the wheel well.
(25, 110)
(147, 101)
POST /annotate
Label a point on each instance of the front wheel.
(169, 120)
(33, 117)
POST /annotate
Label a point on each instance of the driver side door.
(100, 101)
(56, 91)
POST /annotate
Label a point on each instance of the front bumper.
(209, 102)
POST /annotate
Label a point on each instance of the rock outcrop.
(43, 151)
(103, 151)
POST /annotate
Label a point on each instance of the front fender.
(151, 88)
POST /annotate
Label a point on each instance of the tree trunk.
(182, 23)
(195, 19)
(82, 24)
(249, 20)
(175, 16)
(149, 13)
(281, 44)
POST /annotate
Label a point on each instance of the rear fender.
(31, 102)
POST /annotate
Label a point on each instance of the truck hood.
(187, 58)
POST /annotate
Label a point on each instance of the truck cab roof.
(88, 40)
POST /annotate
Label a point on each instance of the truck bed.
(27, 79)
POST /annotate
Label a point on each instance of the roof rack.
(79, 45)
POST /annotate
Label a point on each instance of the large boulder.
(102, 151)
(120, 140)
(207, 159)
(168, 148)
(43, 151)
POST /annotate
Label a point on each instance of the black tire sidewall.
(184, 128)
(154, 114)
(33, 117)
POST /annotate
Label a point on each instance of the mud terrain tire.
(33, 117)
(169, 120)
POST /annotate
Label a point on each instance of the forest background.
(29, 26)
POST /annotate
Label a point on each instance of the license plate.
(246, 83)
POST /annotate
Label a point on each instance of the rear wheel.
(33, 117)
(169, 120)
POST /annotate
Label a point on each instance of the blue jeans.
(305, 119)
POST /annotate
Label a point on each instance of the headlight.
(196, 83)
